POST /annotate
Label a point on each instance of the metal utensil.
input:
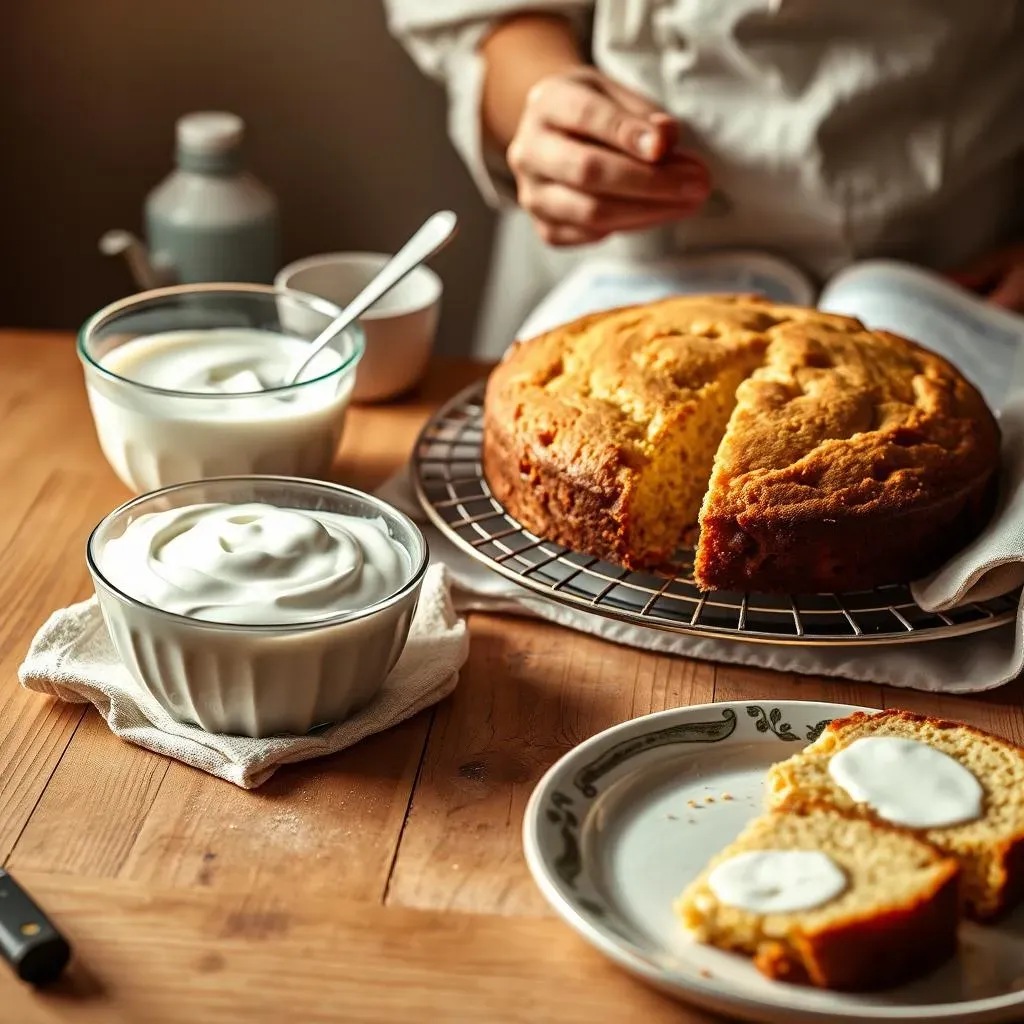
(435, 233)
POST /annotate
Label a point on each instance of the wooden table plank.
(43, 525)
(158, 955)
(34, 733)
(742, 682)
(530, 692)
(55, 488)
(94, 806)
(333, 829)
(44, 415)
(43, 532)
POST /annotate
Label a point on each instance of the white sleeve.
(443, 37)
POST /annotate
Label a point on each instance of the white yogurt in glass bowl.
(186, 383)
(258, 605)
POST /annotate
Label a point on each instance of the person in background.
(823, 131)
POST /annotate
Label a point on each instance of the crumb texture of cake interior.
(613, 423)
(889, 767)
(816, 454)
(891, 917)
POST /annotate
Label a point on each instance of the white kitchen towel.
(993, 564)
(71, 657)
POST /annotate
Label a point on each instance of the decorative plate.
(618, 827)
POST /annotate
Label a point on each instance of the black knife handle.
(28, 940)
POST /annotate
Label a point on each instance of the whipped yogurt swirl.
(225, 361)
(255, 564)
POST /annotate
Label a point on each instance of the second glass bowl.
(155, 436)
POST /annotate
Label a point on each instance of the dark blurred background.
(340, 125)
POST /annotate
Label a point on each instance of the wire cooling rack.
(451, 487)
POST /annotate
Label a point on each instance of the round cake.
(812, 454)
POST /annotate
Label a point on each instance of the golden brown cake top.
(843, 420)
(836, 419)
(608, 381)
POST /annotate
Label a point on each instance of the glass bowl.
(155, 436)
(259, 680)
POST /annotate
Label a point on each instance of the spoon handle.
(436, 231)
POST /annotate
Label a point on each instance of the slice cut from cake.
(600, 435)
(853, 458)
(819, 897)
(961, 789)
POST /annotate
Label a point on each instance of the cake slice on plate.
(959, 788)
(820, 897)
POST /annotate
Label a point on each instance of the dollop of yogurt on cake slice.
(777, 881)
(908, 782)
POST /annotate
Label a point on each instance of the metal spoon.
(435, 233)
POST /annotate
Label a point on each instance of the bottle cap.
(209, 133)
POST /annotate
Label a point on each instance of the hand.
(999, 277)
(590, 157)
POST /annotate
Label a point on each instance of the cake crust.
(852, 458)
(886, 941)
(874, 951)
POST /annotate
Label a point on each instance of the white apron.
(833, 129)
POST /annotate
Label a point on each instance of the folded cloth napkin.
(71, 657)
(993, 564)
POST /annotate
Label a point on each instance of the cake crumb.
(705, 973)
(691, 803)
(709, 799)
(727, 796)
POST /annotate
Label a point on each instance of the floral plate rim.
(560, 803)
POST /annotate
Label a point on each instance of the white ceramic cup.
(399, 329)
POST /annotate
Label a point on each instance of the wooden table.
(383, 884)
